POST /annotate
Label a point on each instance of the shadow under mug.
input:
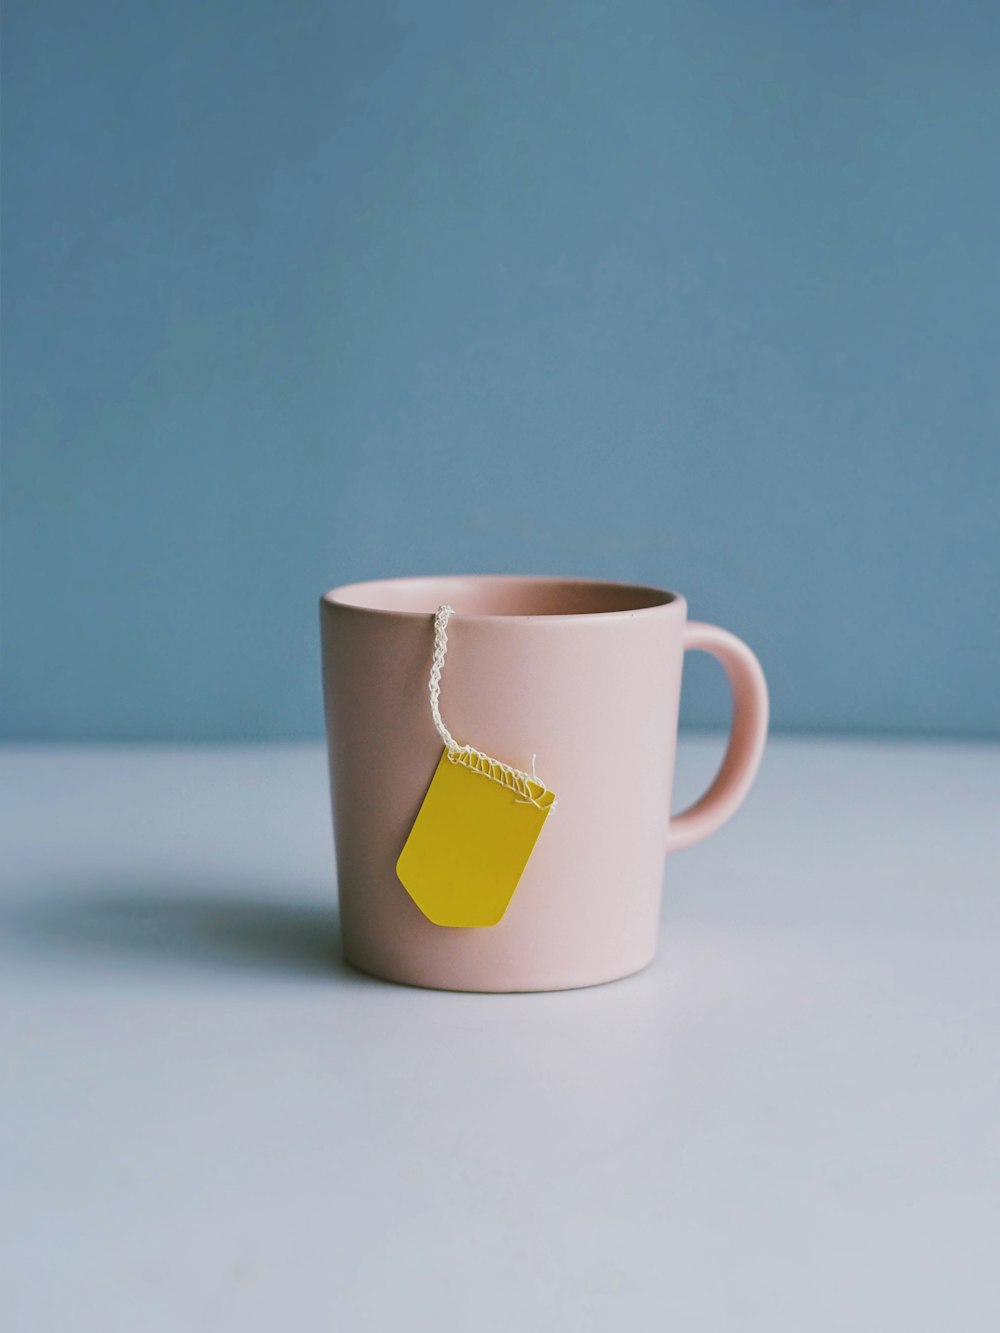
(584, 674)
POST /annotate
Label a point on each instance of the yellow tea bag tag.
(469, 844)
(476, 828)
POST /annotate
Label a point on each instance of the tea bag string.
(441, 618)
(528, 787)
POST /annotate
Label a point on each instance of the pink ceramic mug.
(587, 675)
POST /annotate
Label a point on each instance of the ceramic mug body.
(586, 676)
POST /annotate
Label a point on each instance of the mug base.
(525, 986)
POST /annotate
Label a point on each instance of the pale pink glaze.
(584, 674)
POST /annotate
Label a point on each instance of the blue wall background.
(697, 293)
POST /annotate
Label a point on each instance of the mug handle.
(746, 738)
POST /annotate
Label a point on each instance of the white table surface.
(791, 1121)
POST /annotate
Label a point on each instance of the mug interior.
(500, 595)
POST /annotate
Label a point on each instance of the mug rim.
(649, 598)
